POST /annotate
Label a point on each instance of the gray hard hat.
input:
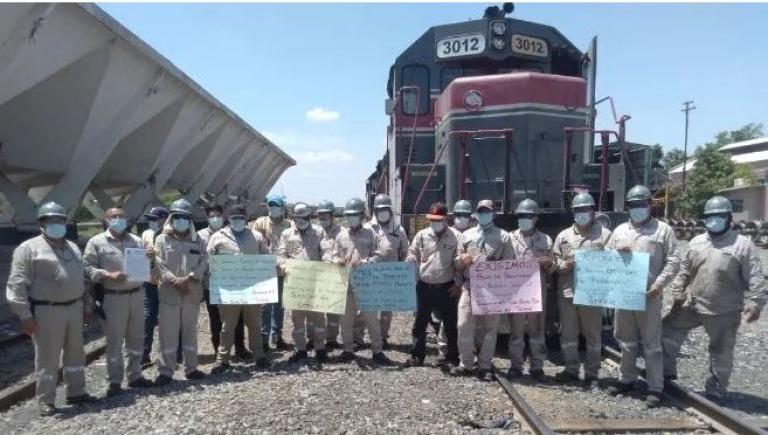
(301, 210)
(717, 204)
(527, 206)
(382, 200)
(462, 206)
(638, 193)
(583, 200)
(325, 206)
(51, 209)
(181, 206)
(354, 206)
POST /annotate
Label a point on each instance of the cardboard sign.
(506, 286)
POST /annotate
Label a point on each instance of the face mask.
(180, 225)
(581, 218)
(437, 227)
(55, 231)
(215, 222)
(275, 212)
(715, 224)
(237, 225)
(302, 224)
(639, 214)
(117, 225)
(484, 218)
(353, 221)
(325, 223)
(383, 216)
(461, 222)
(154, 225)
(525, 224)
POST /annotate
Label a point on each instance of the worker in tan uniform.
(433, 252)
(123, 300)
(644, 233)
(530, 243)
(45, 290)
(393, 246)
(720, 281)
(477, 333)
(271, 227)
(355, 245)
(155, 220)
(237, 239)
(304, 242)
(325, 210)
(585, 233)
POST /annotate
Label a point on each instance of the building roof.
(739, 152)
(734, 147)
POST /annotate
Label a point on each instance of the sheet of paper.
(611, 279)
(315, 286)
(243, 279)
(136, 264)
(385, 286)
(505, 286)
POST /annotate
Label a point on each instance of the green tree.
(752, 130)
(713, 171)
(671, 159)
(746, 173)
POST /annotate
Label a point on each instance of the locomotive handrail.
(413, 132)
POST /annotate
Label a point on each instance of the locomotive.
(503, 109)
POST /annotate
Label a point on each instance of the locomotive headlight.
(498, 43)
(498, 28)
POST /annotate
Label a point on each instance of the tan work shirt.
(658, 240)
(205, 236)
(104, 253)
(355, 245)
(392, 241)
(720, 273)
(303, 245)
(44, 273)
(178, 257)
(271, 231)
(484, 244)
(435, 255)
(570, 240)
(249, 242)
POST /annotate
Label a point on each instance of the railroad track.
(713, 417)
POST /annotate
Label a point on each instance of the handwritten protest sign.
(385, 286)
(315, 286)
(243, 279)
(610, 279)
(506, 286)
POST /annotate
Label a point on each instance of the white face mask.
(582, 218)
(461, 222)
(353, 220)
(302, 224)
(484, 218)
(639, 214)
(525, 224)
(325, 223)
(180, 225)
(216, 222)
(237, 225)
(154, 225)
(437, 227)
(715, 224)
(275, 212)
(384, 216)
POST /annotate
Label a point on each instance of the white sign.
(136, 264)
(529, 46)
(243, 279)
(462, 45)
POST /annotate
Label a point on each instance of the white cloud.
(321, 114)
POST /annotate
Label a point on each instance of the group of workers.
(718, 282)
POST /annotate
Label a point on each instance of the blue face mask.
(215, 222)
(55, 231)
(237, 225)
(639, 214)
(525, 224)
(582, 218)
(117, 225)
(353, 220)
(180, 224)
(154, 225)
(484, 218)
(715, 224)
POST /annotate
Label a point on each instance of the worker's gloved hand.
(751, 313)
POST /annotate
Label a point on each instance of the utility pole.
(687, 107)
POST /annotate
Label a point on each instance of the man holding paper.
(105, 260)
(304, 242)
(237, 239)
(586, 233)
(484, 242)
(644, 233)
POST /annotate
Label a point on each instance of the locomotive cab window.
(415, 75)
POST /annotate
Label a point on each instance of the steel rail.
(534, 422)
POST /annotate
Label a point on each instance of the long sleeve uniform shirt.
(570, 240)
(392, 241)
(303, 245)
(484, 244)
(655, 238)
(435, 255)
(104, 253)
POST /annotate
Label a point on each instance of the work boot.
(414, 362)
(220, 367)
(332, 344)
(310, 344)
(298, 356)
(141, 382)
(280, 343)
(81, 399)
(114, 389)
(620, 388)
(243, 354)
(163, 380)
(668, 378)
(265, 346)
(566, 376)
(485, 375)
(262, 363)
(538, 375)
(654, 399)
(346, 357)
(382, 359)
(514, 373)
(589, 380)
(196, 375)
(460, 371)
(46, 409)
(384, 344)
(146, 362)
(321, 356)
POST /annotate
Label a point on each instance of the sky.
(312, 77)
